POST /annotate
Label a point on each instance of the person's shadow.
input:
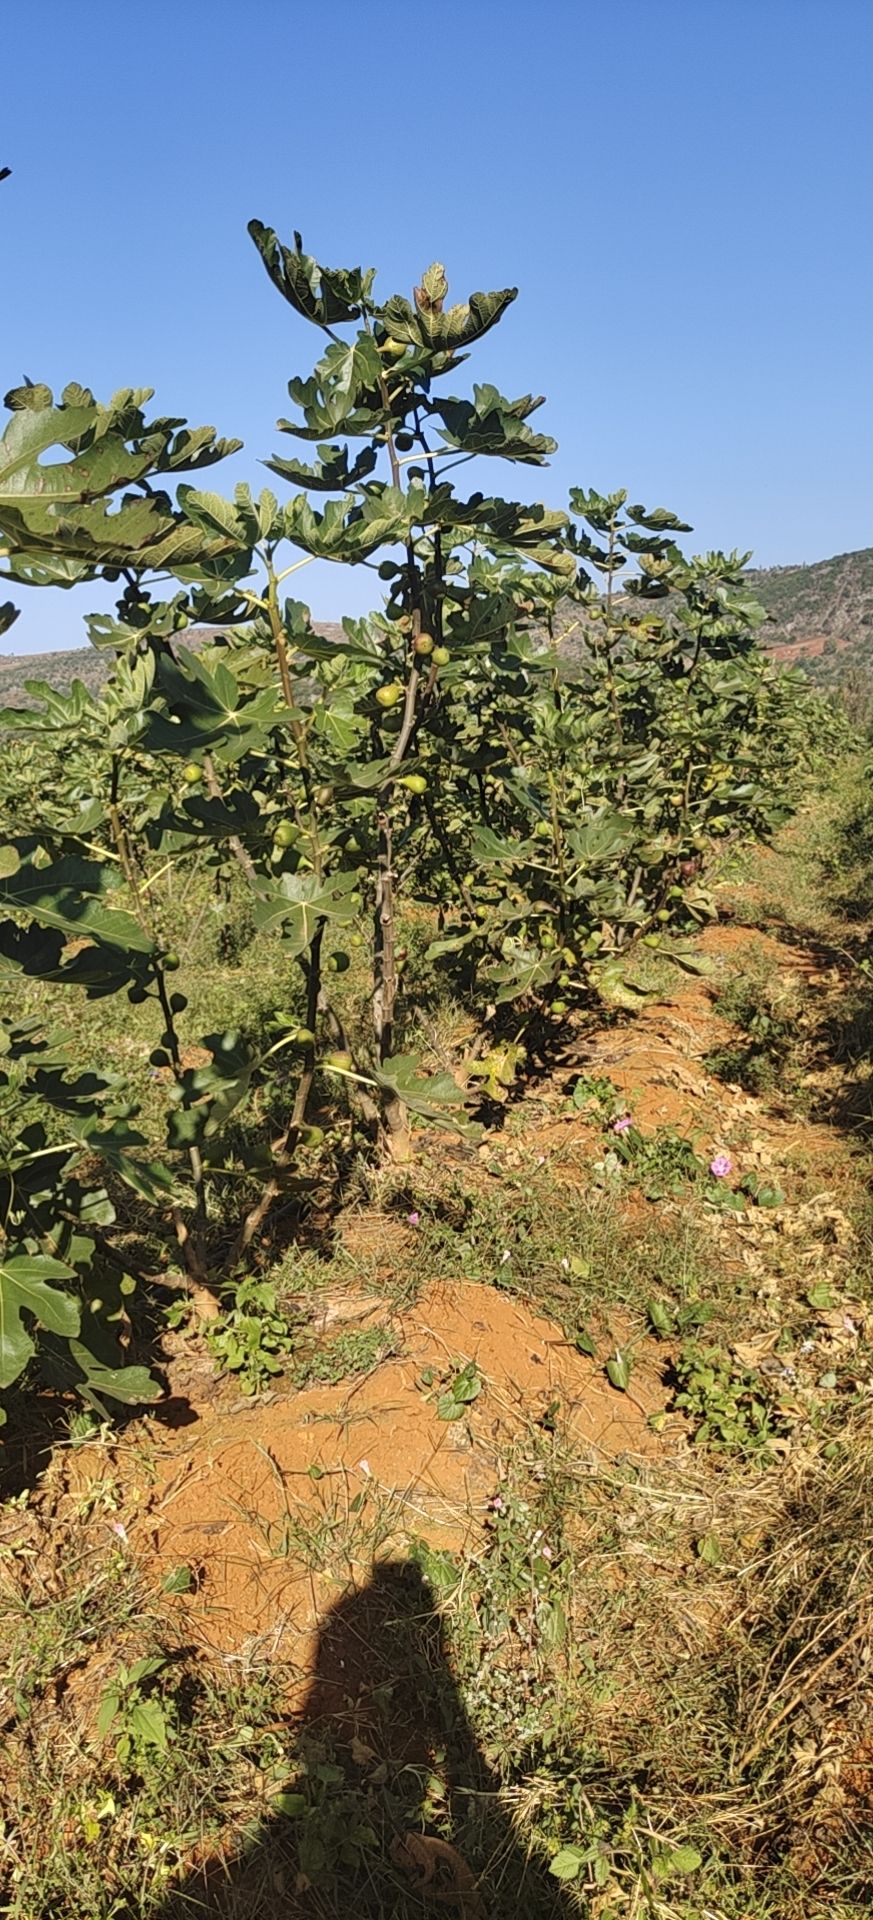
(398, 1813)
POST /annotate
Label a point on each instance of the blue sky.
(681, 191)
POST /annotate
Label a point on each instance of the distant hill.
(822, 615)
(59, 669)
(87, 664)
(821, 619)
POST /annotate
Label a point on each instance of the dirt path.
(279, 1558)
(275, 1505)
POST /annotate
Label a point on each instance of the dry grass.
(713, 1686)
(661, 1663)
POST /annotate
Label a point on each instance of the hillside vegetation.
(822, 614)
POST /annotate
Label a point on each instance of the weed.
(253, 1338)
(619, 1368)
(114, 1769)
(84, 1426)
(661, 1163)
(139, 1719)
(728, 1405)
(622, 1847)
(571, 1246)
(332, 1830)
(651, 1666)
(596, 1092)
(46, 1634)
(632, 1731)
(460, 1393)
(513, 1621)
(102, 1495)
(665, 1322)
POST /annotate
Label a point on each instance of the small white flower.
(506, 1255)
(117, 1526)
(364, 1466)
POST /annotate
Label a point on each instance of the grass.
(814, 891)
(343, 1356)
(625, 1252)
(649, 1677)
(768, 1054)
(84, 1832)
(337, 1534)
(663, 1722)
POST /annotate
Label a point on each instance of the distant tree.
(854, 692)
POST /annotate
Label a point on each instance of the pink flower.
(413, 1219)
(721, 1166)
(622, 1125)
